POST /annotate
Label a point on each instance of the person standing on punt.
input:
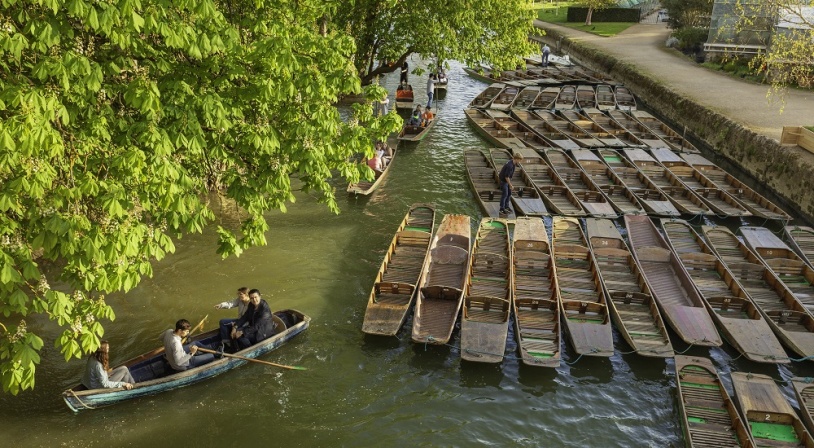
(505, 178)
(404, 69)
(546, 54)
(430, 89)
(257, 324)
(241, 302)
(180, 357)
(98, 374)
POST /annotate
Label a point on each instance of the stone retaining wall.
(779, 168)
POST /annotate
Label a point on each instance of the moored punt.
(719, 201)
(574, 132)
(557, 196)
(784, 262)
(652, 199)
(484, 99)
(520, 131)
(709, 417)
(525, 98)
(787, 317)
(482, 74)
(567, 98)
(801, 239)
(771, 420)
(593, 129)
(546, 98)
(525, 197)
(365, 187)
(619, 195)
(404, 98)
(503, 101)
(414, 134)
(624, 99)
(641, 131)
(583, 303)
(605, 99)
(586, 97)
(545, 130)
(682, 197)
(804, 391)
(754, 202)
(609, 124)
(680, 303)
(490, 129)
(632, 307)
(400, 273)
(739, 320)
(672, 138)
(483, 180)
(587, 192)
(536, 309)
(153, 374)
(443, 278)
(487, 302)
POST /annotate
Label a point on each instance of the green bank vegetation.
(557, 12)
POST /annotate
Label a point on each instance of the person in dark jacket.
(506, 187)
(405, 68)
(256, 324)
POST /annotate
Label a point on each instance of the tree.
(596, 5)
(121, 122)
(688, 13)
(387, 32)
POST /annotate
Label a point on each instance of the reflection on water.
(358, 390)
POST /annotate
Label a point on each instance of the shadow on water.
(478, 375)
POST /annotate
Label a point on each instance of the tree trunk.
(588, 17)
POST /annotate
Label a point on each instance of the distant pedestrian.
(546, 53)
(404, 69)
(505, 178)
(430, 89)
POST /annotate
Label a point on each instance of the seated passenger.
(98, 374)
(375, 163)
(179, 356)
(242, 303)
(427, 117)
(415, 118)
(381, 154)
(257, 324)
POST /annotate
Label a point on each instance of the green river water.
(358, 390)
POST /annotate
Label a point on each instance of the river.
(358, 390)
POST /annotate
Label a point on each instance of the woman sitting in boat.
(257, 324)
(381, 153)
(427, 117)
(415, 118)
(180, 357)
(98, 374)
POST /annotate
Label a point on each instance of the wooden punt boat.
(676, 141)
(593, 129)
(503, 101)
(624, 98)
(542, 128)
(801, 239)
(482, 74)
(719, 201)
(804, 391)
(641, 131)
(738, 319)
(414, 134)
(405, 97)
(520, 131)
(583, 303)
(441, 85)
(791, 322)
(536, 308)
(483, 180)
(680, 303)
(652, 199)
(607, 123)
(618, 195)
(365, 187)
(491, 130)
(485, 98)
(758, 205)
(709, 418)
(567, 99)
(682, 197)
(546, 98)
(525, 197)
(559, 199)
(784, 262)
(525, 98)
(487, 295)
(400, 273)
(632, 307)
(580, 183)
(574, 132)
(443, 278)
(771, 420)
(605, 99)
(586, 97)
(154, 375)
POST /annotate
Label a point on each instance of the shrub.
(691, 39)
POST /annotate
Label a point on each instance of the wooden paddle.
(228, 355)
(194, 329)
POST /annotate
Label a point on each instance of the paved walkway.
(742, 101)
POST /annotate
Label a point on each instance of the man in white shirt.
(177, 354)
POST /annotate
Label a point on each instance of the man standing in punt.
(506, 187)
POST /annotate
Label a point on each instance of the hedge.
(578, 14)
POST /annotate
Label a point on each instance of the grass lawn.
(549, 12)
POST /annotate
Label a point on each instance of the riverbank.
(731, 116)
